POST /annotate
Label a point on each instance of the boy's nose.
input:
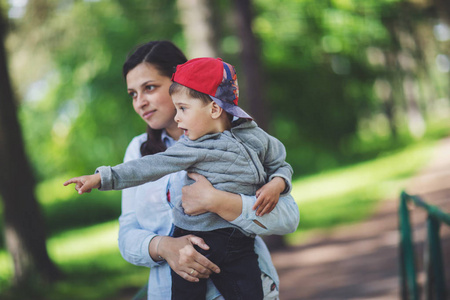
(176, 118)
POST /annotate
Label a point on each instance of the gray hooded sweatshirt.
(238, 161)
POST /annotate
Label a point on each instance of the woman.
(146, 219)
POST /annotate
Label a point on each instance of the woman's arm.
(144, 248)
(201, 197)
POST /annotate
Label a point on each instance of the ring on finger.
(192, 272)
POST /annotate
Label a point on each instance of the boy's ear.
(216, 110)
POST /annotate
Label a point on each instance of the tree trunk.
(251, 64)
(443, 9)
(254, 82)
(199, 27)
(23, 222)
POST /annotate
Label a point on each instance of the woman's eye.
(132, 94)
(150, 87)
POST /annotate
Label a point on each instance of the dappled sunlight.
(357, 261)
(6, 266)
(369, 174)
(92, 251)
(52, 190)
(75, 245)
(84, 243)
(336, 253)
(360, 261)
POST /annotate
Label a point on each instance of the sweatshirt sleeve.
(148, 168)
(275, 162)
(283, 219)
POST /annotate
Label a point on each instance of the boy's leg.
(233, 252)
(240, 276)
(183, 289)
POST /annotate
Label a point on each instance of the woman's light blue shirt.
(146, 213)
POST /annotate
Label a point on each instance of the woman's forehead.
(141, 74)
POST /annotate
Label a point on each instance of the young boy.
(235, 156)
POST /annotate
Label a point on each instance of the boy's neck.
(222, 123)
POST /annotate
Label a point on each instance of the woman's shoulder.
(139, 139)
(134, 147)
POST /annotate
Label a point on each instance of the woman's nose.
(142, 101)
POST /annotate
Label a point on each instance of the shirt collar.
(167, 140)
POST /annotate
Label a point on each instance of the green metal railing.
(433, 260)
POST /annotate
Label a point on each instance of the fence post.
(407, 264)
(435, 278)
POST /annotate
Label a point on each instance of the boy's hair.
(179, 88)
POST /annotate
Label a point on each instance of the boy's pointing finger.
(72, 180)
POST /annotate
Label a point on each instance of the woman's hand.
(85, 184)
(201, 197)
(182, 257)
(196, 198)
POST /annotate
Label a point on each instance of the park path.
(360, 261)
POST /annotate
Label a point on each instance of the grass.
(83, 235)
(349, 194)
(93, 266)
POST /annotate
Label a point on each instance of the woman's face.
(151, 100)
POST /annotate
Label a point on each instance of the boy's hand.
(85, 184)
(267, 196)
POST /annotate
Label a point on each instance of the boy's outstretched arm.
(267, 196)
(85, 184)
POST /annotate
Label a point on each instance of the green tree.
(328, 61)
(78, 114)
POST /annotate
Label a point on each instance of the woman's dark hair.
(164, 56)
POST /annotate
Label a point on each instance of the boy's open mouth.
(185, 130)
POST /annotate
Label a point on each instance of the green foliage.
(322, 59)
(92, 266)
(78, 115)
(91, 209)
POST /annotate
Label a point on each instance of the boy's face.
(193, 115)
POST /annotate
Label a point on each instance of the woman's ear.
(216, 110)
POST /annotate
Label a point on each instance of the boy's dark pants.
(234, 253)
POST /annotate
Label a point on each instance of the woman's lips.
(148, 114)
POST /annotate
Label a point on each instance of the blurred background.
(357, 90)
